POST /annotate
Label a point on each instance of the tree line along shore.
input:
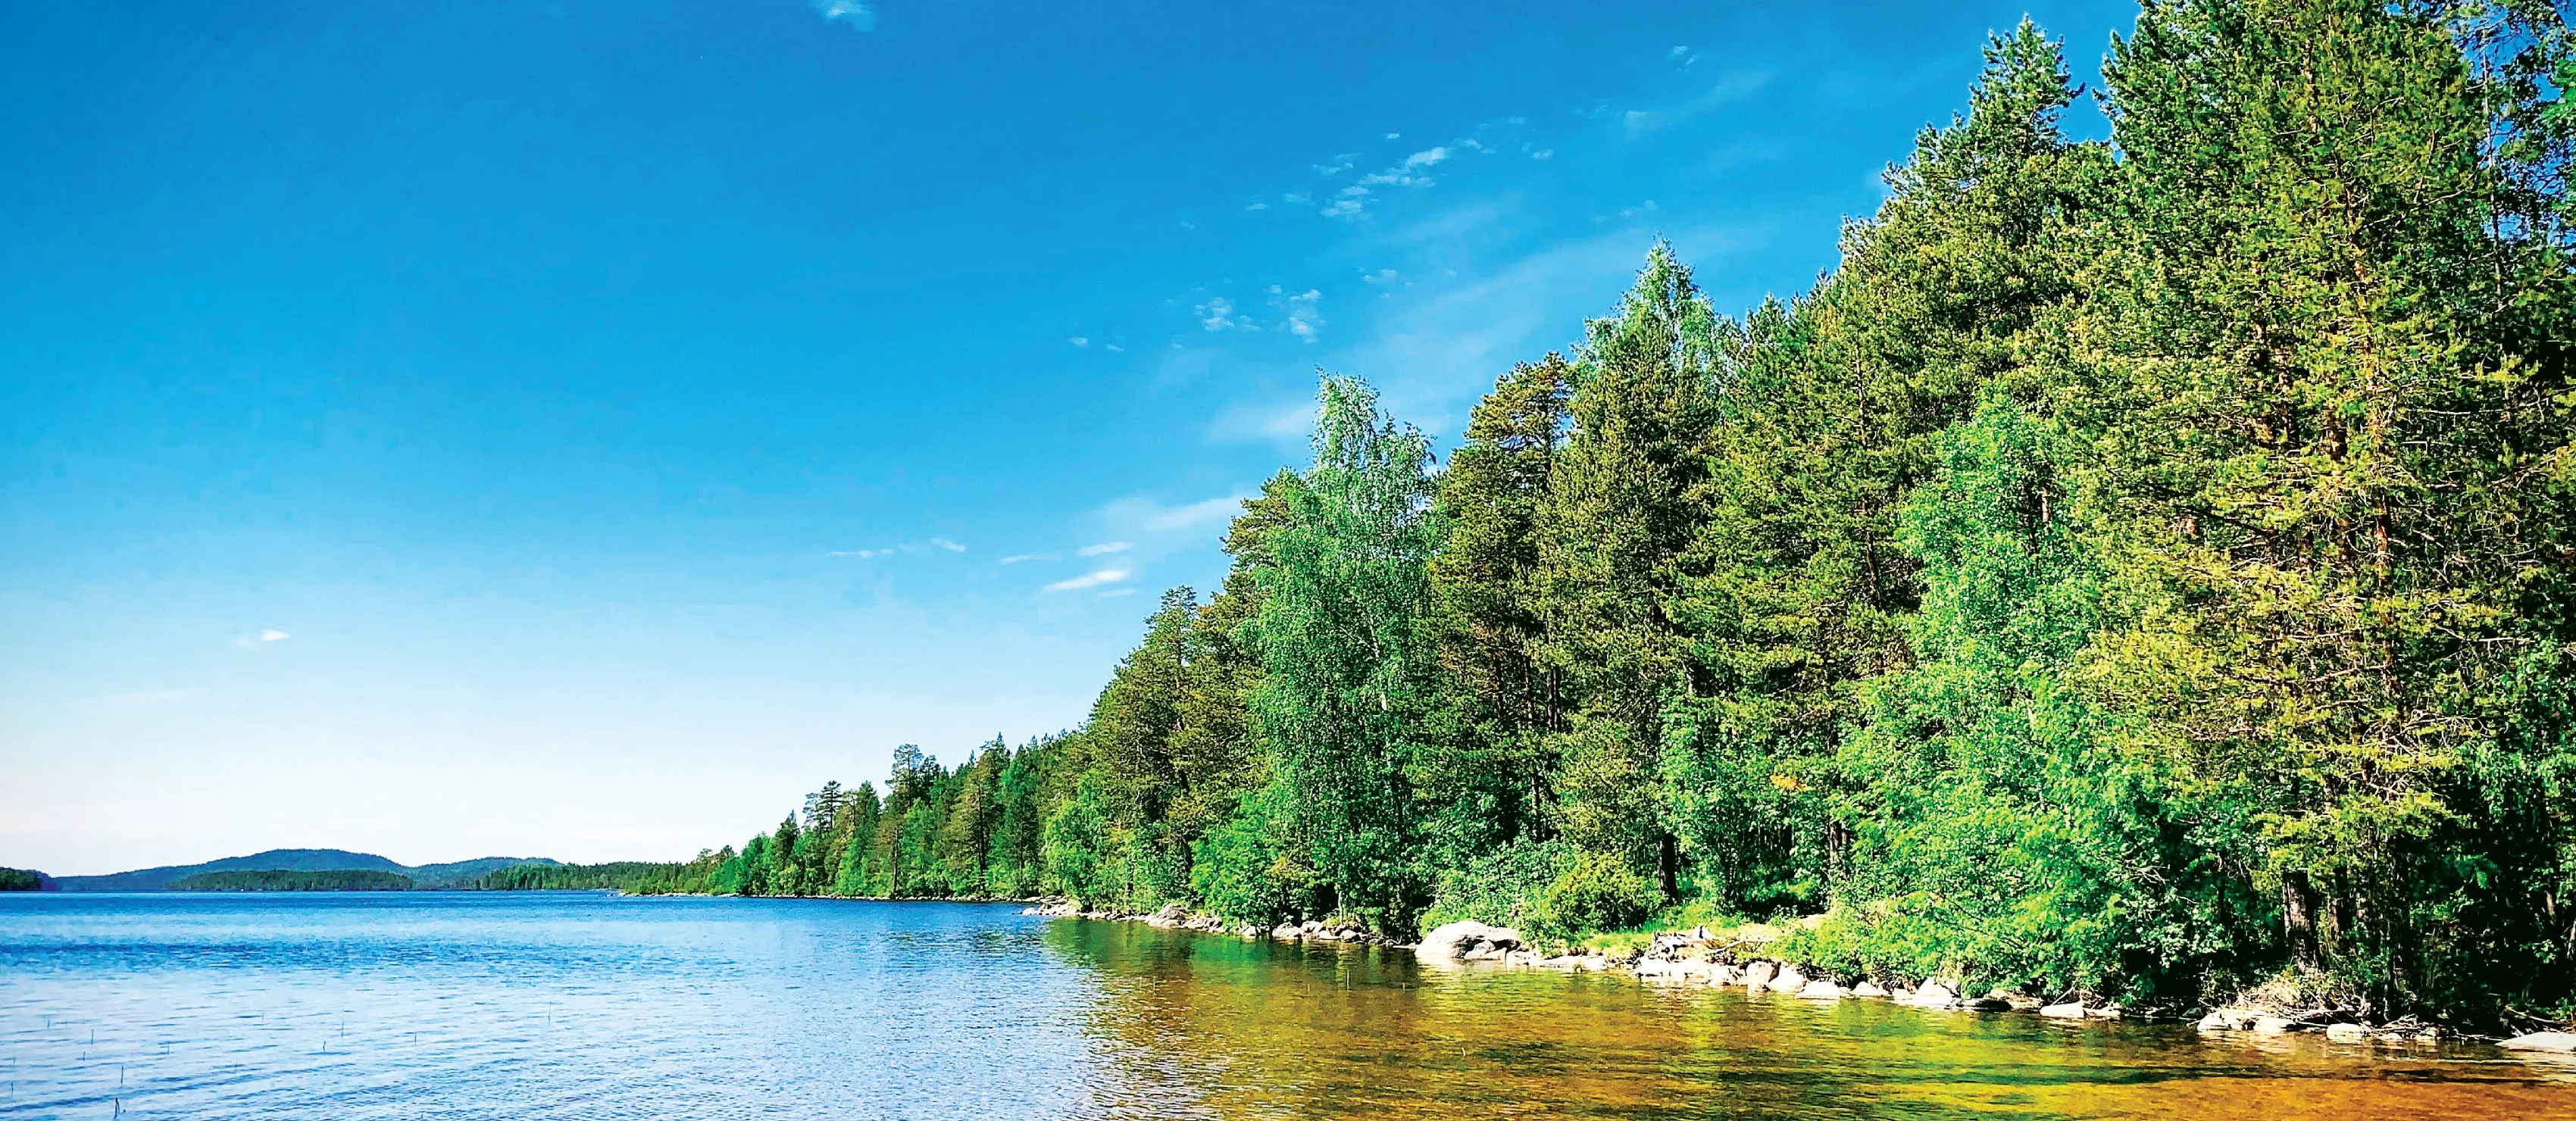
(2136, 574)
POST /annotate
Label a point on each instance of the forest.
(337, 879)
(636, 877)
(2139, 566)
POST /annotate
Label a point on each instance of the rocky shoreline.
(1703, 958)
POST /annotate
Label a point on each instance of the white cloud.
(1381, 277)
(940, 543)
(1089, 580)
(1026, 557)
(1303, 318)
(1544, 154)
(274, 636)
(1102, 549)
(1078, 340)
(1395, 136)
(1297, 198)
(1217, 314)
(1258, 206)
(1114, 348)
(859, 16)
(1353, 201)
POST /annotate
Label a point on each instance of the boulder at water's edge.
(1453, 941)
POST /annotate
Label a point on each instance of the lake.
(576, 1005)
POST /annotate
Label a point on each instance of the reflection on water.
(1256, 1029)
(575, 1005)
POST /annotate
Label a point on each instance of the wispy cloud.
(1264, 421)
(858, 16)
(1409, 172)
(257, 639)
(1078, 340)
(940, 544)
(1217, 314)
(1024, 558)
(1089, 580)
(1154, 517)
(1102, 549)
(1303, 318)
(1728, 90)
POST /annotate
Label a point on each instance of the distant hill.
(354, 879)
(25, 879)
(297, 860)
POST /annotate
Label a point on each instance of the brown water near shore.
(1215, 1026)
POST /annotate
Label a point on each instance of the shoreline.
(1706, 959)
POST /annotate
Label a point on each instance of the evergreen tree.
(1620, 509)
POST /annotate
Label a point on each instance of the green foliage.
(1246, 869)
(1503, 887)
(1598, 892)
(1349, 671)
(634, 877)
(21, 879)
(2139, 566)
(349, 879)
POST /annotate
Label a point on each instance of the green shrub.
(1502, 887)
(1242, 869)
(1597, 893)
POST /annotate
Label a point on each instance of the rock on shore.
(1467, 941)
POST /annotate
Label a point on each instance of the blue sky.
(578, 429)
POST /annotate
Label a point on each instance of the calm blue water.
(533, 1005)
(576, 1005)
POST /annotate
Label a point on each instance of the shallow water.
(435, 1005)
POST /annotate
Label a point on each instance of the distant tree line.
(634, 877)
(2141, 566)
(21, 879)
(346, 879)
